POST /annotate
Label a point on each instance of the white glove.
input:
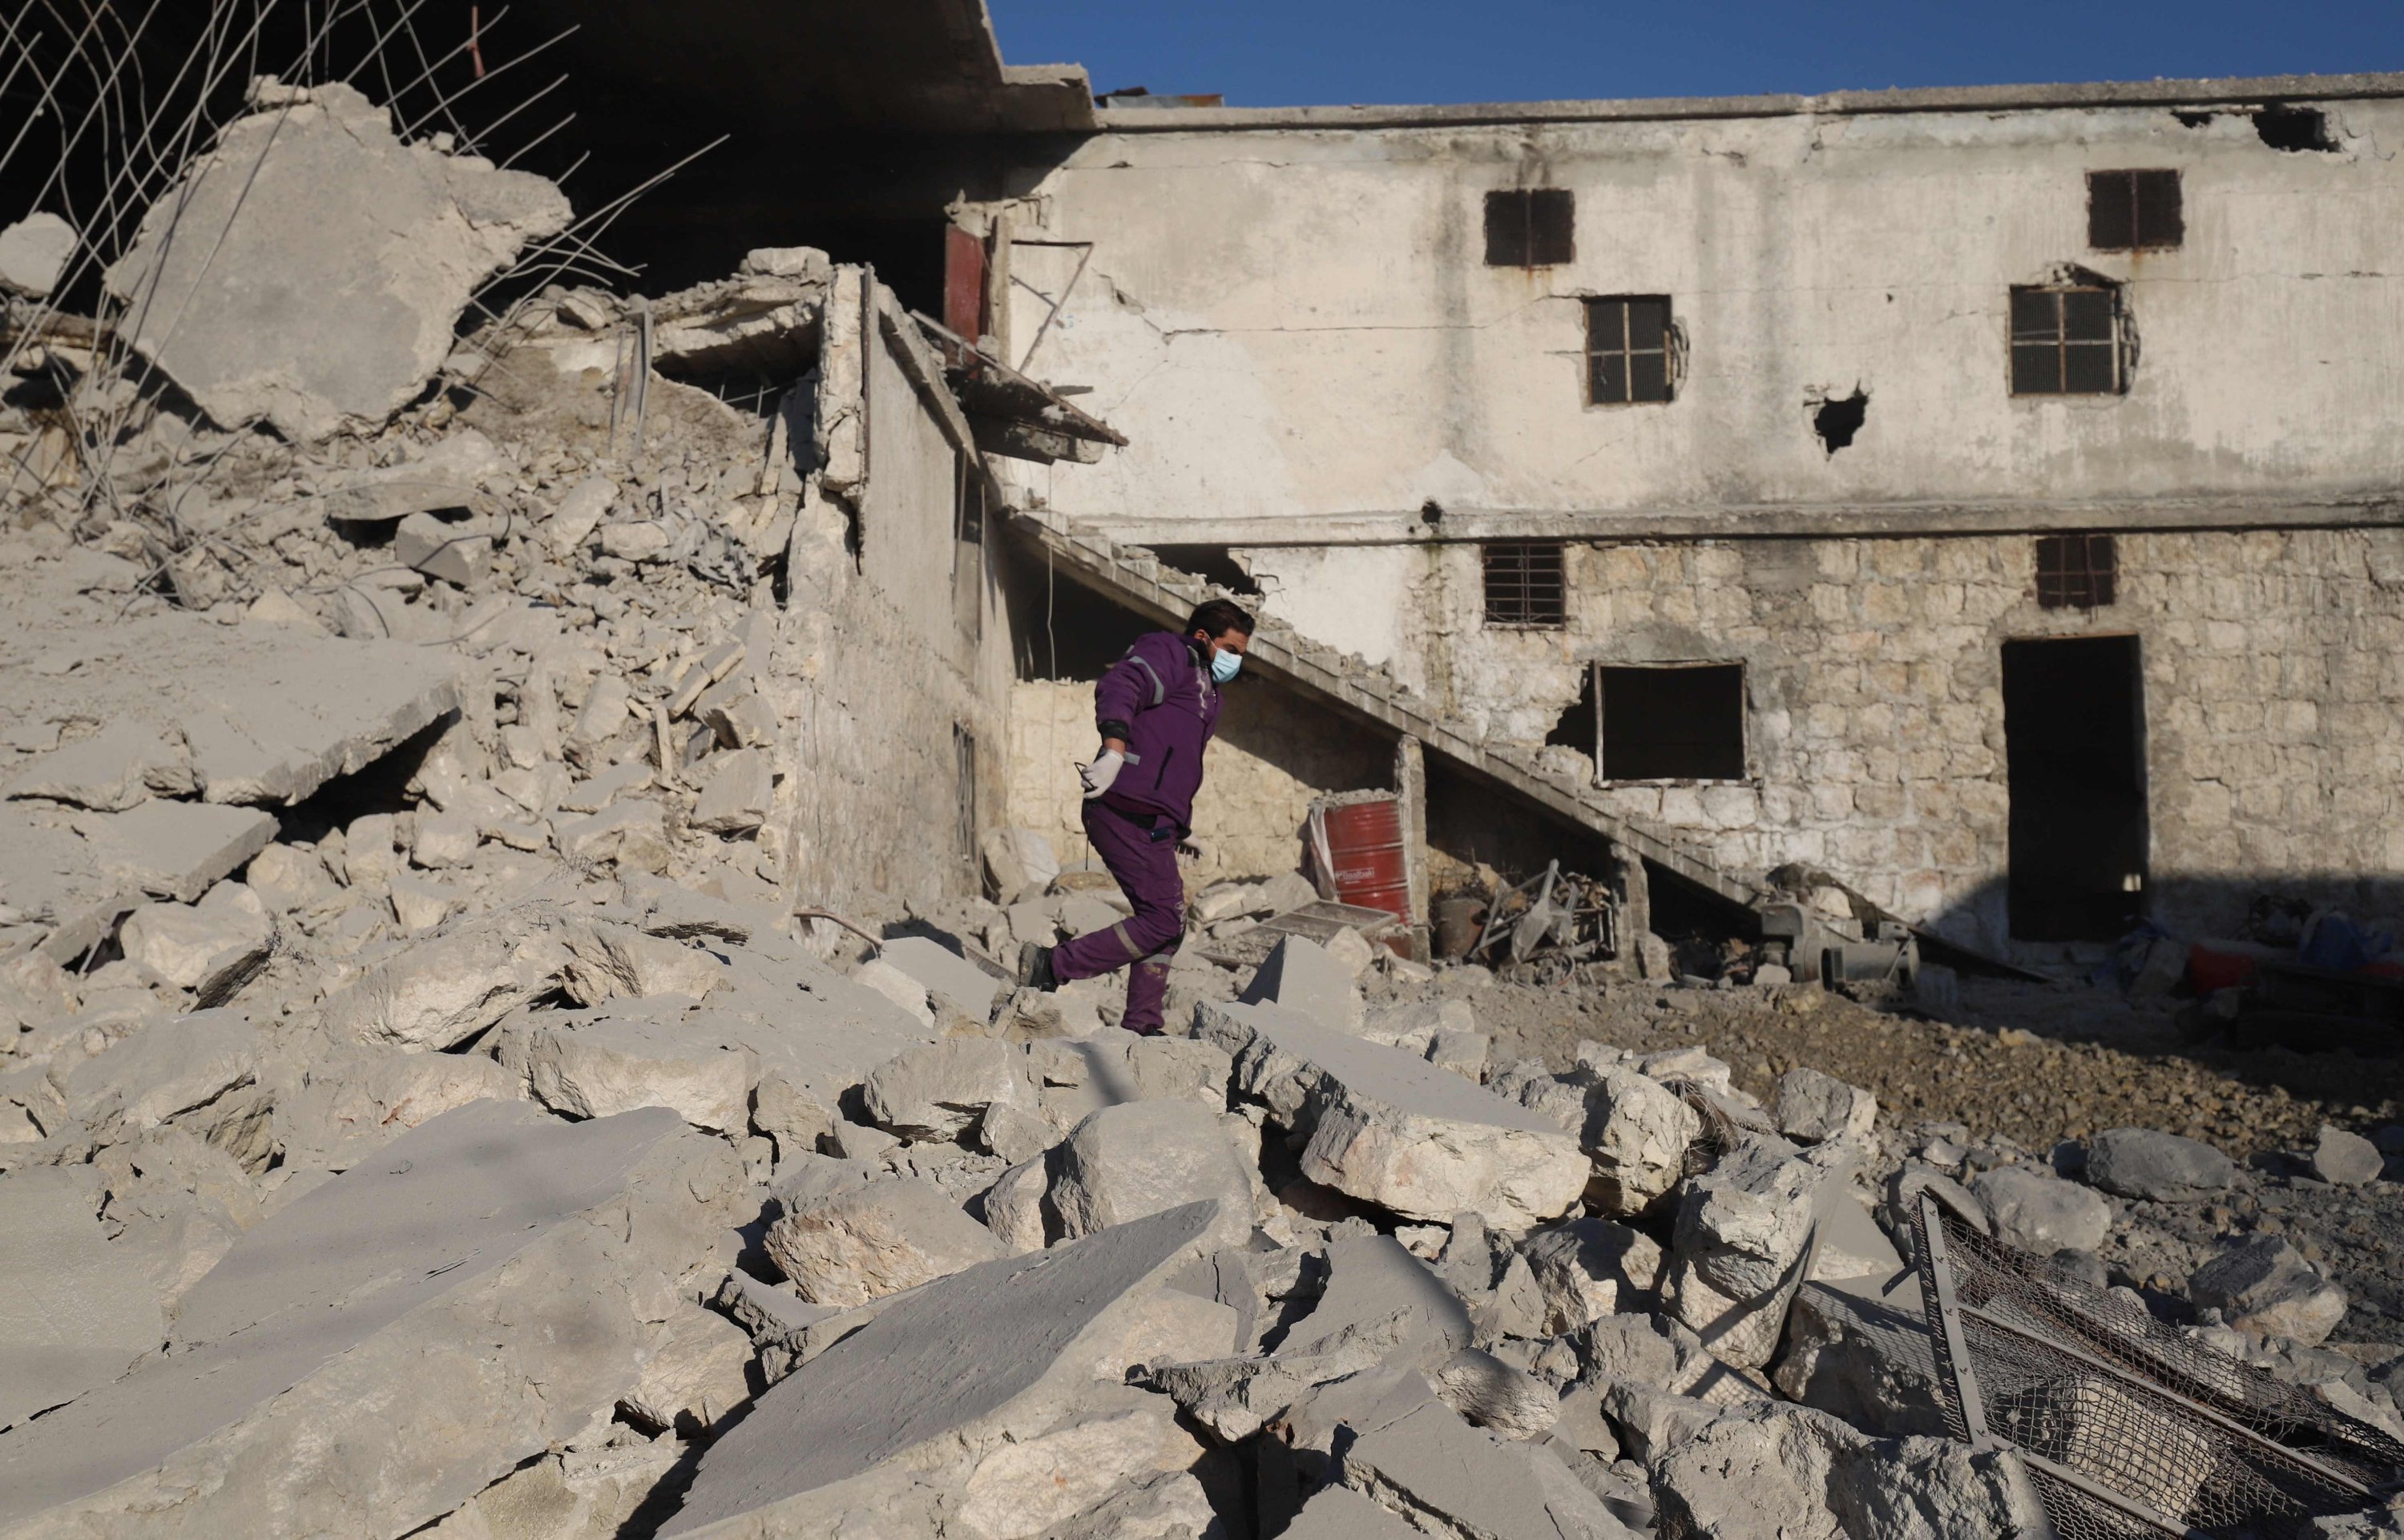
(1193, 849)
(1098, 775)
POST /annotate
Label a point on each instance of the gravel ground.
(2029, 1067)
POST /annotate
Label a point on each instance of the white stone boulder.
(939, 1090)
(1737, 1248)
(1144, 1157)
(164, 1069)
(851, 1247)
(599, 1063)
(1302, 976)
(2040, 1212)
(1388, 1127)
(2265, 1286)
(1811, 1107)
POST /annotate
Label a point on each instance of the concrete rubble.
(440, 1092)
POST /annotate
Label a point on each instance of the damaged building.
(552, 564)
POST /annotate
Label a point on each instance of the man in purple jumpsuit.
(1156, 708)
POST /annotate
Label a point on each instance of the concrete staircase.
(1133, 577)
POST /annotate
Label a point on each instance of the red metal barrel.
(1365, 857)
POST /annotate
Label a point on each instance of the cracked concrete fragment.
(310, 270)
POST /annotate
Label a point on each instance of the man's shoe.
(1035, 967)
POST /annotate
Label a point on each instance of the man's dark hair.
(1217, 617)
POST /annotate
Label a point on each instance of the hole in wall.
(1837, 419)
(1209, 562)
(2294, 128)
(1578, 727)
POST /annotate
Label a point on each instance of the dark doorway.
(2075, 735)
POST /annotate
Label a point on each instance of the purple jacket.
(1160, 699)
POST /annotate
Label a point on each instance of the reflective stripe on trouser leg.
(1147, 1006)
(1146, 872)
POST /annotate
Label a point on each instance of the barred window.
(1531, 227)
(1524, 586)
(2076, 571)
(2066, 342)
(2133, 210)
(1627, 351)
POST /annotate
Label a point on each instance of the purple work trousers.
(1141, 850)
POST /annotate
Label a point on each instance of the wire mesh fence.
(2130, 1429)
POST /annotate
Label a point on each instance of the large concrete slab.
(310, 267)
(965, 1361)
(267, 715)
(368, 1358)
(951, 979)
(1391, 1128)
(85, 870)
(72, 1314)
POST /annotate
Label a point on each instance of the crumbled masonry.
(506, 1027)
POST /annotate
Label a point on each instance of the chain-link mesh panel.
(2130, 1429)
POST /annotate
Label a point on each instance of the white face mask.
(1225, 665)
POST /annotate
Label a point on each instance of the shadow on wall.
(2188, 908)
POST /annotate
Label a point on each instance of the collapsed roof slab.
(264, 714)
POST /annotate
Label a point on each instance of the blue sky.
(1291, 52)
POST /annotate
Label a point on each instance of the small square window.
(1672, 724)
(1531, 227)
(2133, 210)
(2066, 342)
(2076, 571)
(1524, 587)
(1628, 350)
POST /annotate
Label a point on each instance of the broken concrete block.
(1811, 1107)
(1636, 1131)
(346, 1099)
(87, 869)
(1016, 860)
(2266, 1286)
(165, 1068)
(1121, 1435)
(1371, 1279)
(1414, 1455)
(946, 975)
(460, 553)
(1014, 1207)
(72, 1314)
(742, 719)
(784, 1110)
(736, 799)
(394, 1339)
(2346, 1160)
(1144, 1157)
(2150, 1165)
(34, 254)
(584, 1494)
(445, 840)
(1301, 976)
(579, 513)
(1588, 1268)
(446, 989)
(851, 1247)
(1464, 1053)
(596, 1064)
(115, 768)
(1801, 1475)
(210, 950)
(1391, 1129)
(2041, 1214)
(900, 1391)
(631, 834)
(1736, 1256)
(606, 962)
(696, 1372)
(1489, 1393)
(1414, 1025)
(288, 880)
(419, 905)
(606, 787)
(937, 1090)
(1864, 1356)
(369, 247)
(897, 987)
(1171, 1327)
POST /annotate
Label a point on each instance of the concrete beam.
(1761, 522)
(2232, 91)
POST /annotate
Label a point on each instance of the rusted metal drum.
(1365, 856)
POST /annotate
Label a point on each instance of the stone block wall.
(1874, 717)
